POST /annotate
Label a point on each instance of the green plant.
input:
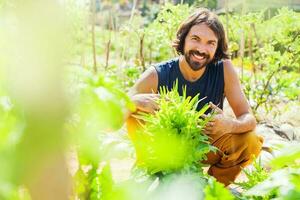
(216, 191)
(162, 31)
(271, 49)
(98, 107)
(172, 139)
(283, 182)
(254, 176)
(273, 84)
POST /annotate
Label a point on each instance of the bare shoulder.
(231, 78)
(230, 73)
(147, 82)
(233, 90)
(229, 68)
(150, 75)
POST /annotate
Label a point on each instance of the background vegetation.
(65, 68)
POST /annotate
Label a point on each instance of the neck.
(187, 72)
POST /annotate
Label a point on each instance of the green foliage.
(254, 176)
(210, 4)
(289, 157)
(79, 35)
(157, 36)
(283, 182)
(282, 31)
(92, 184)
(277, 186)
(162, 31)
(9, 117)
(99, 106)
(272, 85)
(179, 186)
(131, 32)
(172, 138)
(272, 50)
(86, 184)
(126, 190)
(216, 191)
(11, 132)
(172, 186)
(132, 74)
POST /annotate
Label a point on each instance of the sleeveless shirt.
(209, 86)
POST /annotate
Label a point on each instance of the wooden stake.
(142, 59)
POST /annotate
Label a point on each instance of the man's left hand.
(219, 124)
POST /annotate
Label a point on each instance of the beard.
(194, 63)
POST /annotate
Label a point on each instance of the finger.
(146, 109)
(209, 119)
(206, 132)
(208, 128)
(204, 116)
(155, 106)
(215, 108)
(210, 124)
(150, 107)
(155, 96)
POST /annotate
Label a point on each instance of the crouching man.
(204, 67)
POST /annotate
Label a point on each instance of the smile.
(199, 57)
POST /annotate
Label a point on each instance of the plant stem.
(265, 87)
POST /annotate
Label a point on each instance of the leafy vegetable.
(216, 191)
(172, 139)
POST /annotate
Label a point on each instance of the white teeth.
(199, 57)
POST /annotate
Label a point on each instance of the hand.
(219, 124)
(146, 102)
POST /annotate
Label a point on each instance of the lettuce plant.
(172, 138)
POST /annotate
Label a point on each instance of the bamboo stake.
(142, 59)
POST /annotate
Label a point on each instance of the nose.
(202, 48)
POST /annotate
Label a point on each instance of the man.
(203, 67)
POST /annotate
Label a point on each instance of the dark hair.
(203, 16)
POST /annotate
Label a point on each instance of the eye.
(194, 39)
(213, 44)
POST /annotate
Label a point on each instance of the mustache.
(195, 52)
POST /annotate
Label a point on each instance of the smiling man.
(203, 66)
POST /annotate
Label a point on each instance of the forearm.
(127, 114)
(129, 111)
(242, 124)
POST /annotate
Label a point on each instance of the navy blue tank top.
(210, 85)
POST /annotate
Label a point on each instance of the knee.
(133, 125)
(254, 144)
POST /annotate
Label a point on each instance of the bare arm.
(147, 83)
(245, 121)
(144, 92)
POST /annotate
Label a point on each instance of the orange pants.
(235, 152)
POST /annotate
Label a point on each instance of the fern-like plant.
(172, 139)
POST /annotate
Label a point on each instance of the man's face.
(200, 46)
